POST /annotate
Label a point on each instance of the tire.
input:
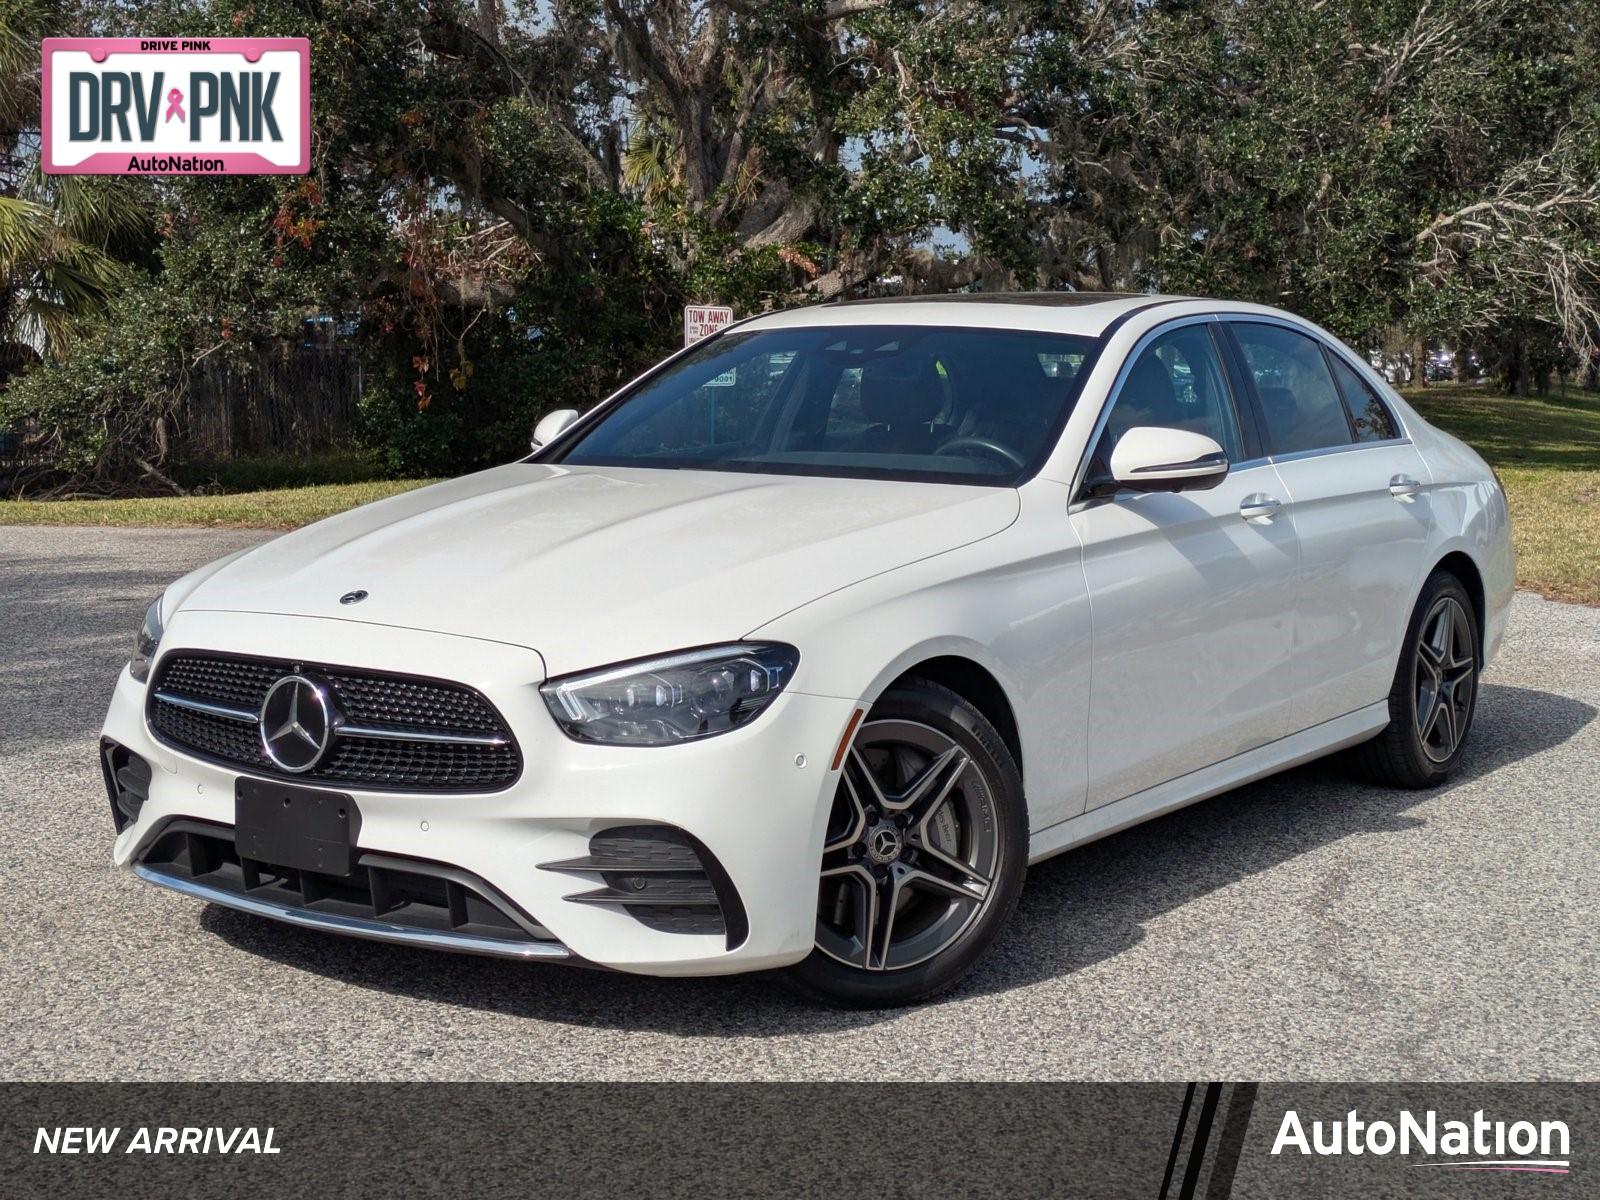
(903, 907)
(1437, 676)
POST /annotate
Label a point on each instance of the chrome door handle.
(1403, 487)
(1259, 507)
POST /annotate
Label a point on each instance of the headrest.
(901, 392)
(1149, 389)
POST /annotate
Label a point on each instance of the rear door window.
(1299, 402)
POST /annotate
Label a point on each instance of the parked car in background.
(1396, 369)
(798, 650)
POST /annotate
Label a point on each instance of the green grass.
(280, 508)
(1547, 451)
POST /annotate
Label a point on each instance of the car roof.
(1084, 313)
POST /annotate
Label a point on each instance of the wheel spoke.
(1462, 653)
(866, 783)
(1436, 716)
(1438, 640)
(1433, 670)
(886, 908)
(1431, 657)
(935, 782)
(1427, 709)
(1447, 720)
(921, 838)
(858, 819)
(866, 906)
(916, 877)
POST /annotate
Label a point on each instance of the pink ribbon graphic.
(175, 106)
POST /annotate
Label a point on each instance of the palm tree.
(652, 163)
(58, 234)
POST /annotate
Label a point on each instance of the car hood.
(593, 565)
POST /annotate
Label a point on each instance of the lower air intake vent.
(663, 878)
(395, 891)
(127, 782)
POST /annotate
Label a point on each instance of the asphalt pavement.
(1305, 927)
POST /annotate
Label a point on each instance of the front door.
(1192, 594)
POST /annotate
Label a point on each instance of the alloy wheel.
(912, 851)
(1445, 677)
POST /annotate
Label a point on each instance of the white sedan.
(799, 649)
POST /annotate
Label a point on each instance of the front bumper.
(757, 799)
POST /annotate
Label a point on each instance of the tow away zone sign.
(702, 320)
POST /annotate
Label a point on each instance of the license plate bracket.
(286, 825)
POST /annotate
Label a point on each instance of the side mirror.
(553, 425)
(1153, 459)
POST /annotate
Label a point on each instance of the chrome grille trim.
(207, 707)
(418, 735)
(393, 733)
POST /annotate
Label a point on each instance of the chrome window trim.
(1336, 347)
(1301, 455)
(1114, 392)
(1362, 369)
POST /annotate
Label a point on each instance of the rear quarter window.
(1368, 413)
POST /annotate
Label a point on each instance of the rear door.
(1192, 593)
(1360, 510)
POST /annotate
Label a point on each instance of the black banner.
(619, 1141)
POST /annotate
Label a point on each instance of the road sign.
(702, 320)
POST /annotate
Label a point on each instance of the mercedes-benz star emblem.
(296, 723)
(355, 597)
(884, 844)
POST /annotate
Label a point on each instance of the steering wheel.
(988, 445)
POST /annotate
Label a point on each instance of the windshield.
(875, 401)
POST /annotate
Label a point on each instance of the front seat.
(1147, 398)
(901, 396)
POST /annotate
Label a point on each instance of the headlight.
(676, 698)
(147, 643)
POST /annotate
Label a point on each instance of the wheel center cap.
(884, 843)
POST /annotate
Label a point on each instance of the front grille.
(398, 732)
(661, 877)
(388, 888)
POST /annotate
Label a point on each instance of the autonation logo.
(1476, 1145)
